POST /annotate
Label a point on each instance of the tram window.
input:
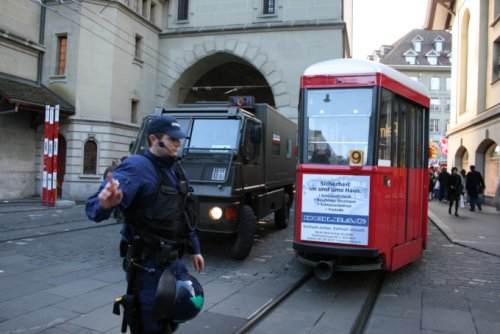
(400, 131)
(407, 142)
(385, 131)
(412, 136)
(339, 122)
(416, 137)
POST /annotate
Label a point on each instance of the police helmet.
(178, 298)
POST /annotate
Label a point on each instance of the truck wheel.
(243, 242)
(282, 216)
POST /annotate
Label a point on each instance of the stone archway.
(461, 158)
(211, 58)
(491, 168)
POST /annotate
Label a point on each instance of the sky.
(382, 22)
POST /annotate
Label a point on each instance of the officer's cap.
(167, 125)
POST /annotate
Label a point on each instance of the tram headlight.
(215, 213)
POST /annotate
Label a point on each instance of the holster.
(131, 313)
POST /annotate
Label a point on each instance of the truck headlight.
(215, 213)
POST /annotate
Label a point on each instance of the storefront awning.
(18, 94)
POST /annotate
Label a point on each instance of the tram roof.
(349, 66)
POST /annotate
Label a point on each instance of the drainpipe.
(41, 40)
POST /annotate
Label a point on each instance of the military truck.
(240, 160)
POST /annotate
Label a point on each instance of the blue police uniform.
(138, 179)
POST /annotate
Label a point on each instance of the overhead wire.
(106, 40)
(178, 68)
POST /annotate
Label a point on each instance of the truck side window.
(251, 148)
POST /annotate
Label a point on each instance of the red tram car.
(362, 178)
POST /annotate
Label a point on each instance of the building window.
(145, 8)
(448, 83)
(62, 43)
(183, 7)
(410, 60)
(448, 103)
(133, 111)
(435, 83)
(138, 46)
(434, 125)
(90, 157)
(438, 44)
(435, 104)
(496, 60)
(432, 60)
(269, 7)
(152, 12)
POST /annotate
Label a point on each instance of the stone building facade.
(474, 132)
(115, 61)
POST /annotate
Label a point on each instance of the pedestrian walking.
(153, 193)
(474, 185)
(462, 178)
(431, 184)
(443, 178)
(436, 185)
(454, 190)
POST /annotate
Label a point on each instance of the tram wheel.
(243, 242)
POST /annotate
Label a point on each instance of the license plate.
(218, 174)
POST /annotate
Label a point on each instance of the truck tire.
(243, 242)
(282, 216)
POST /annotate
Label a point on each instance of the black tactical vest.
(169, 214)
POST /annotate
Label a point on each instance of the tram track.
(18, 235)
(360, 315)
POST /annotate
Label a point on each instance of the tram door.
(389, 159)
(406, 161)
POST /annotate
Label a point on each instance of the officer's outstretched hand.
(198, 262)
(110, 196)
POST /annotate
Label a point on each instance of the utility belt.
(137, 254)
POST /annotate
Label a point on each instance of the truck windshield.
(338, 124)
(215, 134)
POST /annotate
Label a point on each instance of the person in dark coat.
(443, 184)
(454, 189)
(474, 185)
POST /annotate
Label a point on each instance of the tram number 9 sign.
(356, 158)
(335, 208)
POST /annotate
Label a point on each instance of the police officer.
(152, 193)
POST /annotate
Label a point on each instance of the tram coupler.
(324, 269)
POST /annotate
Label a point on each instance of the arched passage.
(462, 158)
(491, 168)
(220, 75)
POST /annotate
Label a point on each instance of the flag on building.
(444, 146)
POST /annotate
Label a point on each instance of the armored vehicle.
(240, 159)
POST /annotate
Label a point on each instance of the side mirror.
(256, 135)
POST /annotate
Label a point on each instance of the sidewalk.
(24, 205)
(479, 230)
